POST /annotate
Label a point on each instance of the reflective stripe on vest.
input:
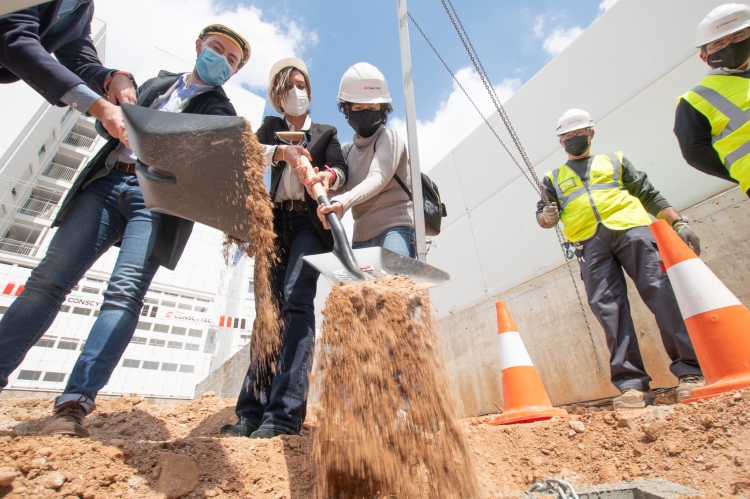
(730, 124)
(602, 199)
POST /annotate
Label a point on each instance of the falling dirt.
(388, 420)
(266, 337)
(131, 454)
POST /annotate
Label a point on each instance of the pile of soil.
(261, 246)
(137, 449)
(388, 417)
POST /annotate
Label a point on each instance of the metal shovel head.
(192, 166)
(375, 263)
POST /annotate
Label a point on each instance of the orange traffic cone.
(524, 398)
(718, 323)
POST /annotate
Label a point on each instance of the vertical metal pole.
(411, 130)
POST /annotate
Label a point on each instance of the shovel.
(192, 166)
(367, 264)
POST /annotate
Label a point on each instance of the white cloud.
(456, 117)
(173, 25)
(605, 5)
(539, 27)
(560, 38)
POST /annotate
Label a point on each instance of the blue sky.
(514, 40)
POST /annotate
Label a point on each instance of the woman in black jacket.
(274, 402)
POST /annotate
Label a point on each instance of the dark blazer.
(173, 232)
(325, 149)
(25, 49)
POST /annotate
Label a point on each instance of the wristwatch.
(682, 218)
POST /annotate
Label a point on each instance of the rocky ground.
(143, 451)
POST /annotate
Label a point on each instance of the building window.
(242, 324)
(150, 365)
(54, 377)
(65, 308)
(3, 310)
(195, 333)
(153, 311)
(192, 346)
(179, 330)
(168, 304)
(150, 301)
(183, 306)
(67, 345)
(45, 342)
(168, 367)
(131, 363)
(83, 345)
(161, 328)
(174, 344)
(138, 340)
(156, 343)
(42, 151)
(86, 289)
(144, 311)
(202, 310)
(81, 311)
(29, 375)
(251, 286)
(236, 323)
(187, 369)
(96, 313)
(145, 326)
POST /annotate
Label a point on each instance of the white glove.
(551, 214)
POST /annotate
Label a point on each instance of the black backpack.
(434, 209)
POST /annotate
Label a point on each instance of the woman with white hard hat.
(710, 120)
(383, 214)
(274, 401)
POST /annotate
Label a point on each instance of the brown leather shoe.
(67, 420)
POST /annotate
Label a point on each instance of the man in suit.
(273, 399)
(105, 207)
(75, 76)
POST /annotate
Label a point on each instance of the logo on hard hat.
(372, 88)
(725, 23)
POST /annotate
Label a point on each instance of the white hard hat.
(293, 62)
(363, 83)
(573, 119)
(722, 21)
(232, 31)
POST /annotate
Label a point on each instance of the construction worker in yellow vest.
(712, 122)
(604, 205)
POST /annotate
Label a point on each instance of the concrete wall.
(226, 380)
(550, 321)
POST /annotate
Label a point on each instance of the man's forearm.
(669, 214)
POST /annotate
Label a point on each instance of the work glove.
(551, 214)
(688, 236)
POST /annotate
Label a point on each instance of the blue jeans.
(401, 240)
(278, 399)
(109, 210)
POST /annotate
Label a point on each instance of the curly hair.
(385, 107)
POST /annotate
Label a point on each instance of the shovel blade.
(192, 166)
(376, 263)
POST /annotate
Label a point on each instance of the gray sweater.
(377, 202)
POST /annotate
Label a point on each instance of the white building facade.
(193, 317)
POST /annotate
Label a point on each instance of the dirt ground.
(139, 450)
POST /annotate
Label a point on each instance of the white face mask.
(296, 102)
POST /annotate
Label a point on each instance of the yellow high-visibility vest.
(725, 100)
(601, 200)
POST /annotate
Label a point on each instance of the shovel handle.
(317, 188)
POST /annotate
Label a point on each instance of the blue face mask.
(212, 68)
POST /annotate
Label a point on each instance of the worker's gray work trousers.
(606, 255)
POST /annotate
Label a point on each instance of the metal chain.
(562, 488)
(534, 183)
(528, 171)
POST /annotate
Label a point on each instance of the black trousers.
(634, 250)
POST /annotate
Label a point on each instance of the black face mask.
(577, 145)
(366, 121)
(732, 56)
